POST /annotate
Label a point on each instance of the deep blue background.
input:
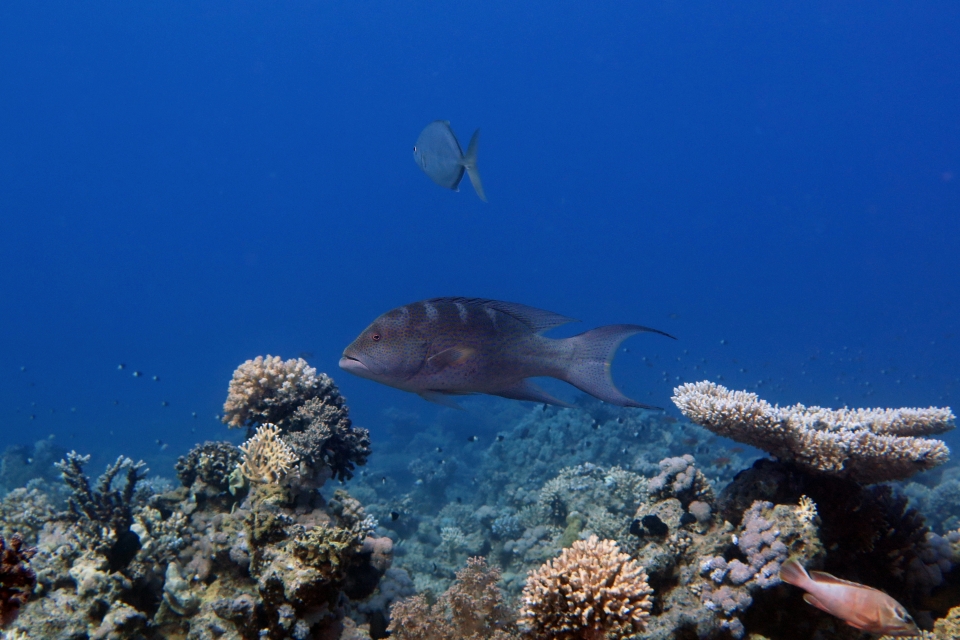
(185, 185)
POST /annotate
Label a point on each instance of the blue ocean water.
(184, 186)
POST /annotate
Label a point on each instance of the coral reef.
(472, 608)
(17, 578)
(24, 511)
(874, 537)
(591, 591)
(268, 390)
(211, 463)
(104, 514)
(866, 445)
(678, 478)
(321, 434)
(444, 527)
(266, 458)
(306, 409)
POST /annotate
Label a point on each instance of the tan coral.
(591, 591)
(267, 389)
(866, 445)
(266, 458)
(473, 608)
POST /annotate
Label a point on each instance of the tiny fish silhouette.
(439, 155)
(456, 346)
(858, 605)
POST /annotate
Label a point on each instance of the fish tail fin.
(792, 572)
(470, 164)
(589, 367)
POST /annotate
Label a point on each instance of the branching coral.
(590, 592)
(24, 511)
(105, 513)
(267, 389)
(866, 445)
(322, 435)
(17, 579)
(678, 478)
(472, 609)
(211, 462)
(266, 458)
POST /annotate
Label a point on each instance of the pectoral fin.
(450, 357)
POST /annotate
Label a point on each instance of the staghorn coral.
(266, 458)
(866, 445)
(471, 609)
(267, 389)
(17, 579)
(590, 592)
(104, 514)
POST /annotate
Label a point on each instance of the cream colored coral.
(266, 458)
(867, 445)
(806, 511)
(265, 389)
(591, 591)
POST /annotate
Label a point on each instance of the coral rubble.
(866, 445)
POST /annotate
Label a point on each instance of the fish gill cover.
(184, 188)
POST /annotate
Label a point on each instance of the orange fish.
(858, 605)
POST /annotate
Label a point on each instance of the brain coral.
(591, 591)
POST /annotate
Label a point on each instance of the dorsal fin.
(537, 319)
(828, 578)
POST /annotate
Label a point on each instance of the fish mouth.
(355, 366)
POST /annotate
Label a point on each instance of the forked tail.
(470, 164)
(592, 354)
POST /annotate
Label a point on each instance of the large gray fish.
(455, 346)
(439, 155)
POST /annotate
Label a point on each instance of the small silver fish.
(456, 346)
(439, 155)
(858, 605)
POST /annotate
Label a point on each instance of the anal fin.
(526, 390)
(441, 398)
(811, 600)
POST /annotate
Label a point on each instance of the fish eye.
(375, 337)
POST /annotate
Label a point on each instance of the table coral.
(17, 578)
(866, 445)
(591, 591)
